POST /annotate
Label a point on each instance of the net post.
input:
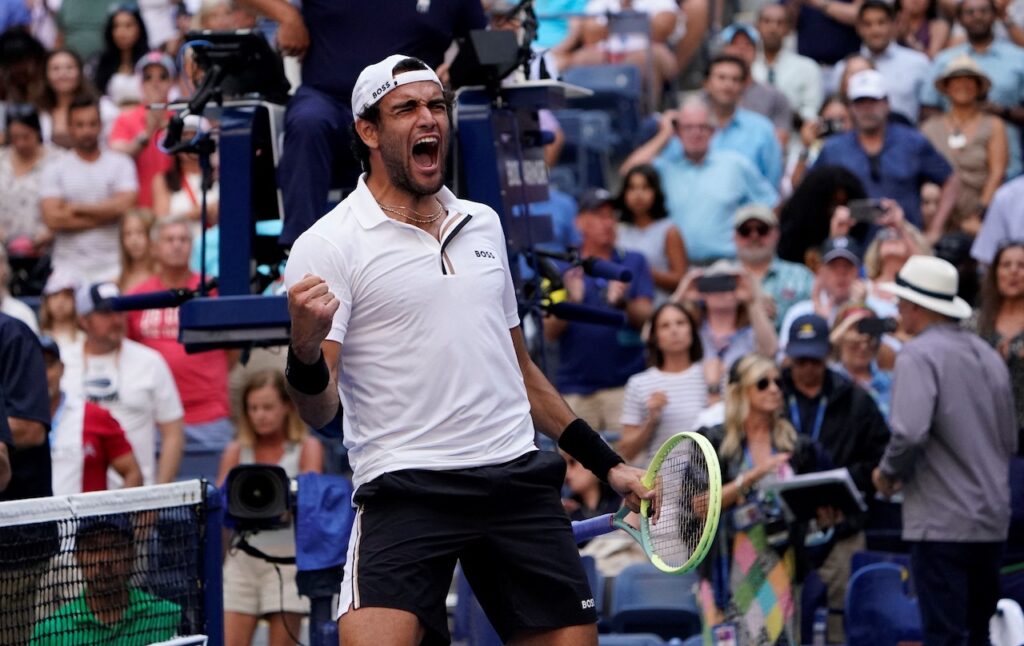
(212, 572)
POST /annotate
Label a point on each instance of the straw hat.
(931, 283)
(963, 66)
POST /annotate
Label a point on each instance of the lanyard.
(819, 418)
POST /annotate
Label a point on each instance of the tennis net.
(117, 568)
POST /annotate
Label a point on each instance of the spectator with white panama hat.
(954, 430)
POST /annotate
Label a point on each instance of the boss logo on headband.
(380, 91)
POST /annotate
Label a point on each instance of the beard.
(398, 164)
(756, 255)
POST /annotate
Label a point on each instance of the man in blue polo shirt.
(890, 159)
(737, 129)
(703, 186)
(337, 40)
(596, 360)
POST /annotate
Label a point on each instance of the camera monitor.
(250, 66)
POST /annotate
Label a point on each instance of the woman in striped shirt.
(666, 398)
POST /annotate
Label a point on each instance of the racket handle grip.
(584, 530)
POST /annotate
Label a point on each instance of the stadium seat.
(635, 639)
(878, 609)
(618, 91)
(864, 558)
(644, 599)
(589, 140)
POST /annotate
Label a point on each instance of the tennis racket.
(677, 530)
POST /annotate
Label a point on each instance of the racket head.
(688, 482)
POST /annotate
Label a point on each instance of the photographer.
(270, 431)
(733, 319)
(890, 159)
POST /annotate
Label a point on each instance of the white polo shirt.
(428, 376)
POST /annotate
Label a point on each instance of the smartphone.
(830, 127)
(866, 210)
(874, 326)
(716, 284)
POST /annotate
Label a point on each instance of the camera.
(716, 284)
(874, 326)
(868, 210)
(260, 496)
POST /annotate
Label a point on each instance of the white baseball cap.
(867, 84)
(376, 80)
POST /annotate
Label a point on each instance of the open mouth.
(425, 152)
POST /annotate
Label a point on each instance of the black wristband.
(589, 449)
(308, 379)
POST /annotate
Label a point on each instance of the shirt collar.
(370, 215)
(888, 52)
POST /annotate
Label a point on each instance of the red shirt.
(150, 162)
(202, 378)
(103, 441)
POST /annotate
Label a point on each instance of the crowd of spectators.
(796, 159)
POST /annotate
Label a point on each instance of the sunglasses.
(748, 230)
(764, 382)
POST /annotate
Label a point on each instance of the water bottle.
(820, 627)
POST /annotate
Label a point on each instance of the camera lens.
(257, 492)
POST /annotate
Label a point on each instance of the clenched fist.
(311, 306)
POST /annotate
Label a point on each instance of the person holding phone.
(837, 283)
(784, 283)
(733, 320)
(895, 240)
(856, 340)
(890, 159)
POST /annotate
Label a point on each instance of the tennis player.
(403, 310)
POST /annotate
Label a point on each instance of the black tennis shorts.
(505, 523)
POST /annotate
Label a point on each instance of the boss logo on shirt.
(484, 254)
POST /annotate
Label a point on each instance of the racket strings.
(682, 496)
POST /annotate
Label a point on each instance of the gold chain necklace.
(419, 218)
